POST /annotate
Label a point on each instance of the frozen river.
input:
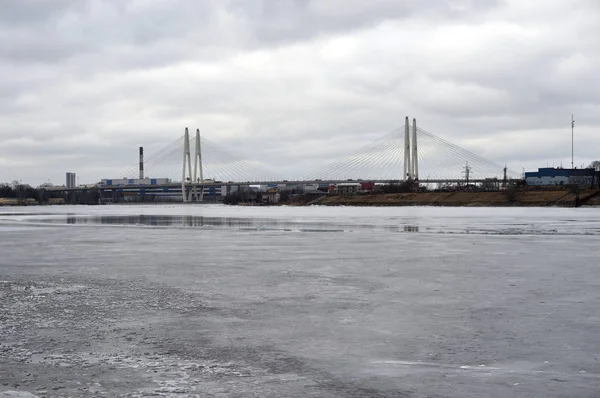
(216, 301)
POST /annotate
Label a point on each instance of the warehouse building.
(553, 176)
(134, 181)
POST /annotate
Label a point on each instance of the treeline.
(25, 192)
(20, 191)
(400, 187)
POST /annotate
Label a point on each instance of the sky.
(293, 84)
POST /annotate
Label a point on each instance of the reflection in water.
(230, 222)
(424, 221)
(349, 223)
(166, 221)
(191, 221)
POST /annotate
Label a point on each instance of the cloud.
(294, 84)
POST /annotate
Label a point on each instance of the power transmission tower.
(467, 173)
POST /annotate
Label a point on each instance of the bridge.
(408, 152)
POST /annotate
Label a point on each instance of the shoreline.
(563, 198)
(523, 198)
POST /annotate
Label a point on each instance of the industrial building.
(154, 190)
(553, 176)
(134, 181)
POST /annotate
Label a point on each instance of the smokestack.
(141, 163)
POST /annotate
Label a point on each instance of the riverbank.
(18, 202)
(562, 198)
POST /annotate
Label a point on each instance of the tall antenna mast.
(572, 143)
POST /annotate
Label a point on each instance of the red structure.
(368, 186)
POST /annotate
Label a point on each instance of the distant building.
(271, 196)
(349, 188)
(310, 187)
(161, 189)
(71, 181)
(368, 186)
(553, 176)
(135, 181)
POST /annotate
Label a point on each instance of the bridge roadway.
(177, 186)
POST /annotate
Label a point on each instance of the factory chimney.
(141, 163)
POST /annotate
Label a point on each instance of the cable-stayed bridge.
(434, 159)
(217, 162)
(193, 166)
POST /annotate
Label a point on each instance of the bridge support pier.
(411, 155)
(186, 160)
(198, 167)
(407, 163)
(194, 179)
(415, 154)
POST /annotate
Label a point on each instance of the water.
(317, 301)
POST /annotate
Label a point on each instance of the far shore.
(521, 198)
(531, 198)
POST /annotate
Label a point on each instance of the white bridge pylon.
(411, 157)
(187, 161)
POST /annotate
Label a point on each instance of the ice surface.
(507, 221)
(279, 301)
(17, 394)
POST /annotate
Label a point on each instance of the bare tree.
(512, 194)
(583, 181)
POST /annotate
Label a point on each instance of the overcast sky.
(292, 83)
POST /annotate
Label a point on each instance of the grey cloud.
(32, 12)
(288, 20)
(292, 83)
(50, 31)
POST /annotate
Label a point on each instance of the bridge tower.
(407, 163)
(415, 154)
(186, 160)
(198, 167)
(411, 155)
